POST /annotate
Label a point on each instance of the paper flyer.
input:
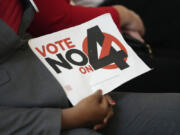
(88, 57)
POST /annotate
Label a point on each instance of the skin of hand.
(130, 22)
(93, 110)
(108, 116)
(135, 35)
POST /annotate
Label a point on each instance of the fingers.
(140, 23)
(103, 124)
(99, 126)
(110, 100)
(135, 35)
(109, 115)
(108, 103)
(130, 20)
(108, 107)
(105, 104)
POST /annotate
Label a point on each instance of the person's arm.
(59, 14)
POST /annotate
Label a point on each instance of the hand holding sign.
(95, 110)
(131, 23)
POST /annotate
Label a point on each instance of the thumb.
(98, 95)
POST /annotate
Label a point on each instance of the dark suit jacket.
(30, 98)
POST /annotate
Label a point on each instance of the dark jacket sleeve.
(6, 47)
(30, 121)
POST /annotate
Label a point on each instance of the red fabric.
(59, 14)
(11, 13)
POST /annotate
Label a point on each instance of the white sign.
(88, 57)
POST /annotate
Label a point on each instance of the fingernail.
(113, 102)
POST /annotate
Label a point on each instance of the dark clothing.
(29, 102)
(13, 15)
(163, 78)
(31, 99)
(145, 114)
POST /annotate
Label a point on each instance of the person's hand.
(131, 23)
(108, 116)
(94, 110)
(135, 35)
